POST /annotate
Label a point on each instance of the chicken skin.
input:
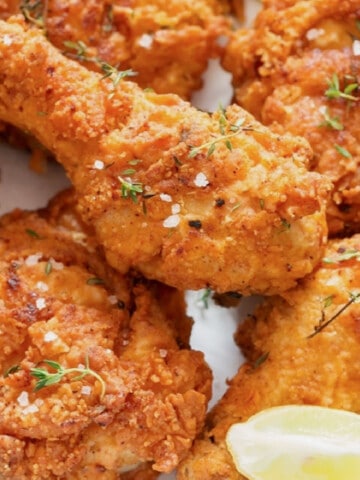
(302, 348)
(97, 377)
(167, 43)
(297, 71)
(184, 197)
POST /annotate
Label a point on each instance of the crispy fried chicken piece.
(168, 43)
(187, 198)
(283, 70)
(60, 302)
(285, 366)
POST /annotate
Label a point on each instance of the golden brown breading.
(245, 216)
(322, 370)
(283, 68)
(60, 302)
(168, 43)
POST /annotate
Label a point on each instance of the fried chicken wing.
(297, 71)
(302, 348)
(187, 198)
(168, 43)
(97, 377)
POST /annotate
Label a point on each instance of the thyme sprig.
(227, 131)
(34, 12)
(130, 189)
(343, 256)
(79, 51)
(334, 91)
(331, 122)
(323, 323)
(46, 378)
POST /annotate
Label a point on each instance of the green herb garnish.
(334, 91)
(130, 189)
(46, 378)
(331, 122)
(95, 281)
(343, 256)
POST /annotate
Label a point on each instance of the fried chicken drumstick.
(168, 44)
(302, 348)
(184, 197)
(137, 396)
(297, 70)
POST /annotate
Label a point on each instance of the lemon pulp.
(297, 443)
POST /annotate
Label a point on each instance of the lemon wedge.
(297, 442)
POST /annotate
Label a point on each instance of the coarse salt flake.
(32, 408)
(7, 40)
(171, 221)
(165, 197)
(175, 208)
(314, 33)
(145, 40)
(33, 259)
(86, 390)
(40, 303)
(201, 180)
(23, 399)
(42, 286)
(50, 336)
(162, 352)
(98, 165)
(56, 265)
(356, 47)
(112, 299)
(322, 109)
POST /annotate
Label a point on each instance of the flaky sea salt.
(7, 40)
(171, 221)
(42, 286)
(50, 336)
(56, 265)
(86, 390)
(98, 165)
(40, 303)
(175, 208)
(201, 180)
(145, 40)
(165, 197)
(33, 259)
(163, 352)
(112, 299)
(32, 408)
(314, 33)
(356, 48)
(23, 399)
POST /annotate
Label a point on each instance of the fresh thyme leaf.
(79, 48)
(129, 171)
(48, 268)
(114, 74)
(345, 153)
(33, 12)
(45, 378)
(343, 257)
(262, 203)
(211, 150)
(259, 361)
(32, 233)
(95, 281)
(206, 295)
(130, 189)
(334, 90)
(11, 370)
(331, 122)
(328, 301)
